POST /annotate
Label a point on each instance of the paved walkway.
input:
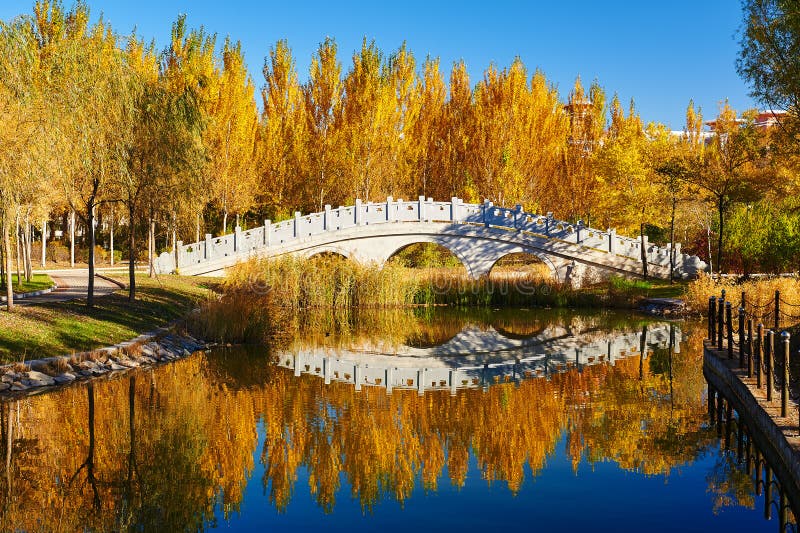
(72, 285)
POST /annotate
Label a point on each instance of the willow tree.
(18, 127)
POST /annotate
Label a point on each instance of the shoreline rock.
(664, 307)
(43, 375)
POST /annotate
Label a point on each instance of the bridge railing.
(243, 243)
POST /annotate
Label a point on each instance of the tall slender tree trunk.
(224, 223)
(72, 238)
(7, 259)
(111, 235)
(3, 280)
(19, 251)
(44, 242)
(672, 242)
(197, 228)
(152, 244)
(90, 224)
(28, 251)
(721, 209)
(131, 254)
(643, 250)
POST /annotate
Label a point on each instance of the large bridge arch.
(477, 234)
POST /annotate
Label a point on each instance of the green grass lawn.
(38, 282)
(62, 328)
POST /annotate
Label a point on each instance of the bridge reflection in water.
(478, 356)
(230, 438)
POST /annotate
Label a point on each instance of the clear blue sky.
(659, 53)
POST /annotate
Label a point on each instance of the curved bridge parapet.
(478, 234)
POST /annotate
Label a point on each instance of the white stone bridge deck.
(478, 234)
(477, 357)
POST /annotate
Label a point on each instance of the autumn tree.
(732, 167)
(282, 131)
(770, 58)
(322, 96)
(231, 136)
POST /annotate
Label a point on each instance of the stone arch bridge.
(477, 234)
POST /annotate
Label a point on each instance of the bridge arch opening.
(523, 265)
(429, 256)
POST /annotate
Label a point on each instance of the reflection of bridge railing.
(512, 360)
(302, 227)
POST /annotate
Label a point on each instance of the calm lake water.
(540, 420)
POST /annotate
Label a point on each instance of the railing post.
(389, 202)
(297, 224)
(729, 319)
(487, 207)
(453, 209)
(777, 310)
(421, 208)
(612, 241)
(741, 337)
(357, 213)
(785, 385)
(720, 320)
(757, 356)
(326, 218)
(712, 313)
(769, 345)
(267, 226)
(237, 238)
(578, 228)
(207, 247)
(749, 347)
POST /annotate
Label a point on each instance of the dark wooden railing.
(765, 353)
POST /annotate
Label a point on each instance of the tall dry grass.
(324, 282)
(759, 296)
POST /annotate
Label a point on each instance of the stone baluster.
(612, 241)
(267, 232)
(207, 248)
(237, 238)
(326, 218)
(454, 209)
(547, 221)
(296, 224)
(421, 212)
(389, 203)
(487, 208)
(578, 227)
(357, 213)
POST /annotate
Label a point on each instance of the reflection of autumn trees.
(175, 445)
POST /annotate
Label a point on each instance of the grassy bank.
(65, 327)
(38, 282)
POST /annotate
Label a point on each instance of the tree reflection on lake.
(179, 447)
